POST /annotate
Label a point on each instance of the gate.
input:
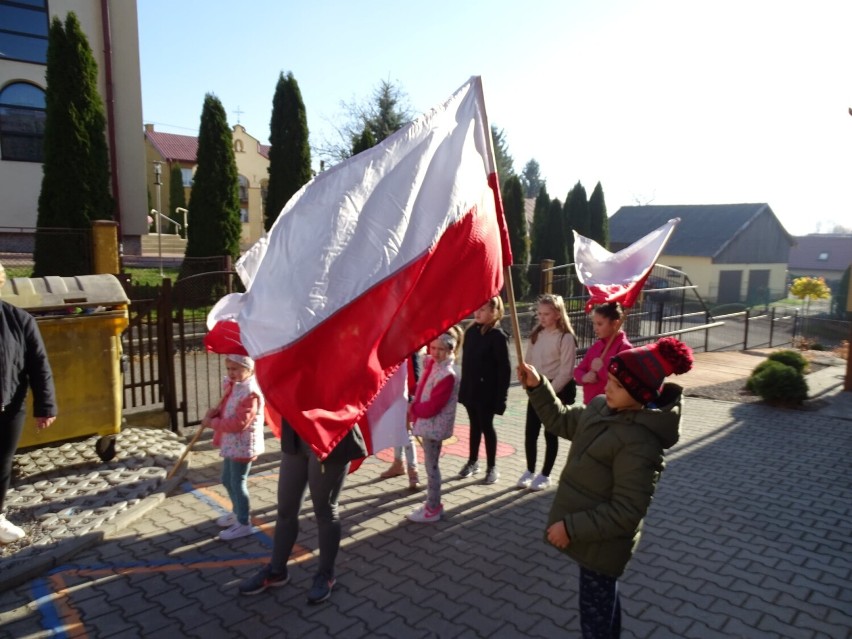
(166, 364)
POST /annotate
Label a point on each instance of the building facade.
(252, 160)
(112, 30)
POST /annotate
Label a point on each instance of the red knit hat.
(643, 370)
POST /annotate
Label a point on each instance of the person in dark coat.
(23, 363)
(484, 384)
(613, 466)
(299, 470)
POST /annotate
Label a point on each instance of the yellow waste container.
(81, 320)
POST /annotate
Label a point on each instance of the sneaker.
(321, 590)
(525, 480)
(236, 531)
(9, 532)
(263, 579)
(469, 469)
(540, 482)
(413, 478)
(226, 521)
(394, 470)
(426, 515)
(492, 476)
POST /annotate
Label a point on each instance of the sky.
(661, 101)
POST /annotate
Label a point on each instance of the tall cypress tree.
(214, 202)
(516, 222)
(177, 197)
(539, 227)
(599, 222)
(289, 152)
(555, 246)
(75, 186)
(504, 162)
(364, 141)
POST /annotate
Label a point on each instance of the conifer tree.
(599, 230)
(577, 210)
(502, 159)
(177, 197)
(531, 178)
(539, 227)
(516, 221)
(364, 141)
(75, 186)
(214, 204)
(289, 151)
(556, 246)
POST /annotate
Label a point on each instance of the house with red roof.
(252, 159)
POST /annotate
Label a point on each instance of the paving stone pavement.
(748, 536)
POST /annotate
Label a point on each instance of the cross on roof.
(239, 113)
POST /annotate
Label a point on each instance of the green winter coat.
(612, 470)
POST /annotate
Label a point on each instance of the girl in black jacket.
(484, 384)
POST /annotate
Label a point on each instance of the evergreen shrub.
(791, 358)
(778, 383)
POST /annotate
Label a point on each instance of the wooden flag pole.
(513, 312)
(185, 452)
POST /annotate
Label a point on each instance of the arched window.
(23, 30)
(244, 188)
(22, 122)
(238, 146)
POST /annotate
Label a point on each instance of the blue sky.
(662, 101)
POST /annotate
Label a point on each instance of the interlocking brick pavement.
(748, 536)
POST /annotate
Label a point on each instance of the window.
(23, 30)
(22, 122)
(823, 257)
(238, 146)
(244, 188)
(244, 215)
(186, 174)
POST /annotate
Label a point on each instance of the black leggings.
(11, 427)
(482, 424)
(297, 473)
(551, 443)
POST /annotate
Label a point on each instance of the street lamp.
(158, 174)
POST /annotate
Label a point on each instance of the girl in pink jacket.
(433, 414)
(592, 371)
(237, 423)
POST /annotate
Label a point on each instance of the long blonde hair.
(562, 322)
(496, 304)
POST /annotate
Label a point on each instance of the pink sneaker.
(426, 515)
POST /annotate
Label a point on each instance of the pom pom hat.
(643, 370)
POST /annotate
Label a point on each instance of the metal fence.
(18, 244)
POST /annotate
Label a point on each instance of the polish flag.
(618, 277)
(368, 262)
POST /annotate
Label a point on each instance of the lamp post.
(158, 174)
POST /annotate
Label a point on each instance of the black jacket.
(349, 448)
(23, 362)
(485, 370)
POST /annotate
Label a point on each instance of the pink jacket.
(238, 425)
(590, 391)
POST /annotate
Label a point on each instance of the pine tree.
(214, 204)
(538, 242)
(516, 221)
(599, 231)
(75, 186)
(289, 152)
(502, 159)
(531, 178)
(177, 197)
(363, 142)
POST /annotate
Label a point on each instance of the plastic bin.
(81, 320)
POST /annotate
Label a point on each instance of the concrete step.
(152, 244)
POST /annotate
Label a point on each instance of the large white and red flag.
(618, 277)
(368, 262)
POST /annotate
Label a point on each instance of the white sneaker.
(226, 521)
(540, 482)
(9, 532)
(525, 480)
(425, 515)
(236, 531)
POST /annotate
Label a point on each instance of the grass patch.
(151, 276)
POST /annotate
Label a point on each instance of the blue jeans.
(235, 480)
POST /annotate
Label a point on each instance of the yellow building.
(112, 30)
(252, 159)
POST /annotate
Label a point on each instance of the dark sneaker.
(469, 469)
(263, 579)
(321, 590)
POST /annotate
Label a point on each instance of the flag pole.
(185, 452)
(513, 312)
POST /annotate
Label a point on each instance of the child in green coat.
(612, 470)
